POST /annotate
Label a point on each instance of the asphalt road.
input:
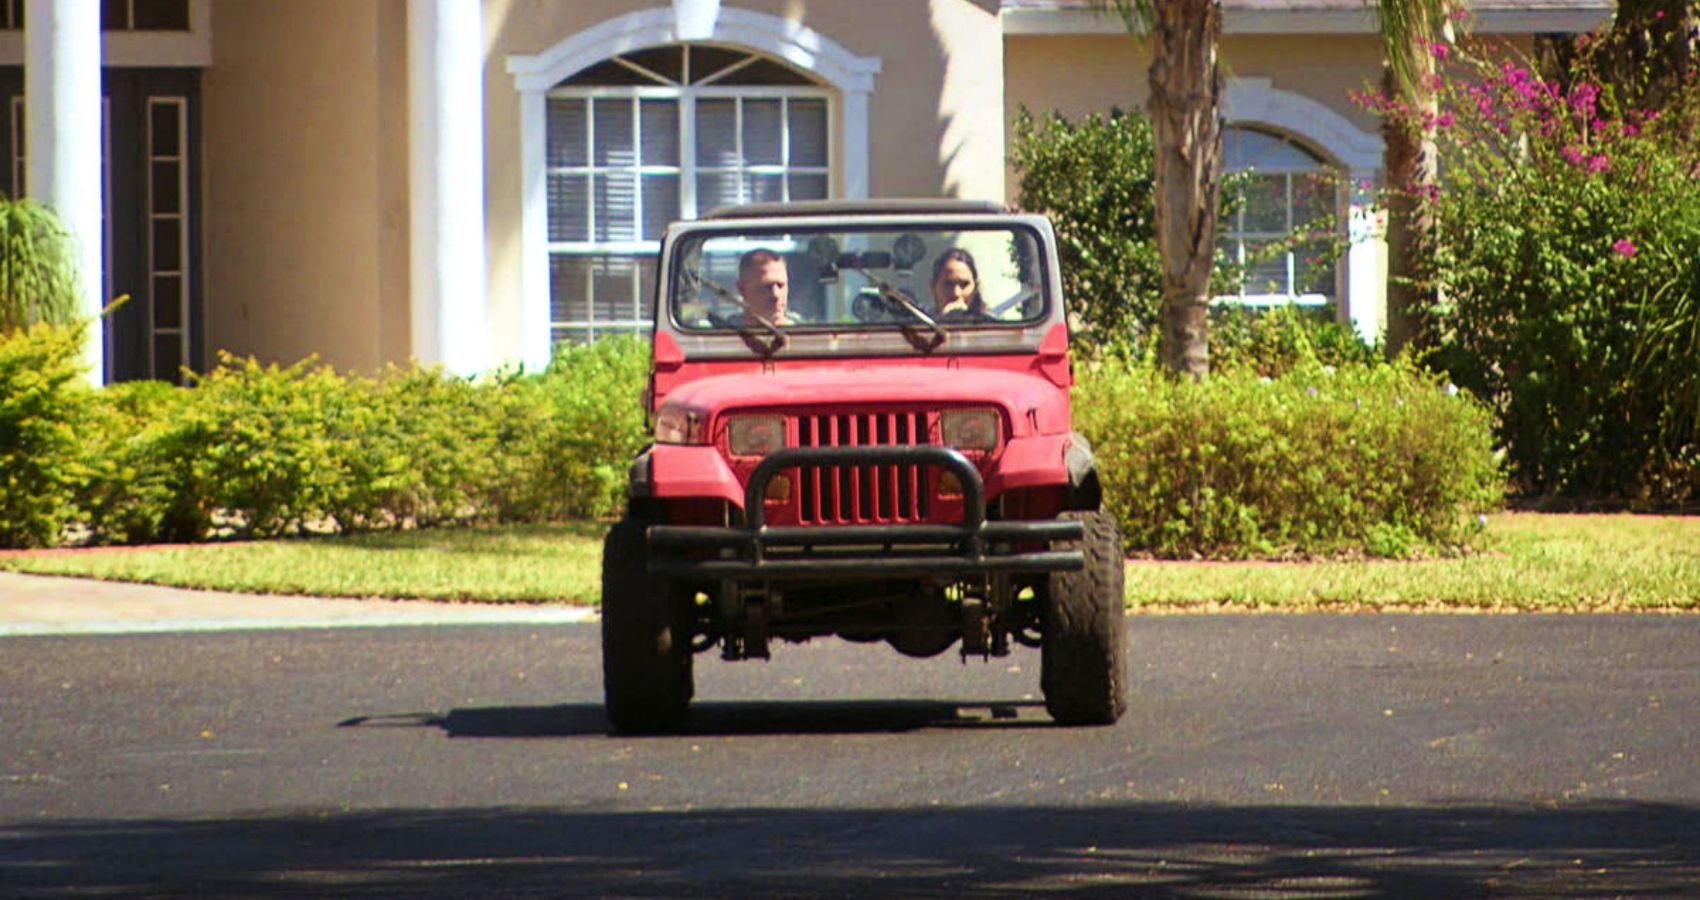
(1271, 756)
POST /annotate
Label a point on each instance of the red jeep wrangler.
(862, 429)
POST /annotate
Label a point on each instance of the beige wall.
(1078, 75)
(306, 181)
(935, 116)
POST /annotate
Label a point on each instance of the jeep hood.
(1031, 404)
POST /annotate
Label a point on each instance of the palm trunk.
(1186, 94)
(1411, 162)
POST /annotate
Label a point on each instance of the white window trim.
(536, 75)
(687, 169)
(141, 49)
(1357, 153)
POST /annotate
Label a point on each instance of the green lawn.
(1531, 562)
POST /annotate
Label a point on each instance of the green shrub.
(596, 423)
(1281, 339)
(135, 486)
(263, 448)
(1570, 235)
(1381, 460)
(1094, 180)
(44, 406)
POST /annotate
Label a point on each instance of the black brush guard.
(758, 550)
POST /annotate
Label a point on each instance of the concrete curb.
(42, 605)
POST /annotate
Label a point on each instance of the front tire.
(1083, 661)
(647, 620)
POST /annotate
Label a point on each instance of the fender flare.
(1085, 490)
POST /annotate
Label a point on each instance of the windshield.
(924, 282)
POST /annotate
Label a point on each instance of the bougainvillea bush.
(1568, 261)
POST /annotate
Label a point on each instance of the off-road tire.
(646, 639)
(1084, 653)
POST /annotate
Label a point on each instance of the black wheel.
(646, 639)
(1084, 652)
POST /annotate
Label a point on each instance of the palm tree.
(1185, 107)
(38, 267)
(1409, 31)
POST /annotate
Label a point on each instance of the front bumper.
(759, 551)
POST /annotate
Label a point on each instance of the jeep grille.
(863, 494)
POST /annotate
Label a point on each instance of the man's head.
(764, 284)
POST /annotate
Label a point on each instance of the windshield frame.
(863, 339)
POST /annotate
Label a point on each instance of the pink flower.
(1572, 155)
(1624, 247)
(1445, 120)
(1440, 51)
(1599, 164)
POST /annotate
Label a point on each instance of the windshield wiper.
(777, 338)
(907, 304)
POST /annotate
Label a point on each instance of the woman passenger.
(956, 287)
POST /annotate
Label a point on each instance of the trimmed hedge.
(1368, 459)
(1379, 459)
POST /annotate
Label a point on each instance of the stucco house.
(470, 182)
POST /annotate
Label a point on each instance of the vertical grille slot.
(862, 494)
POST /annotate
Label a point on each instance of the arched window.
(665, 133)
(1290, 196)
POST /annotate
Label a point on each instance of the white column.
(62, 138)
(1366, 258)
(445, 92)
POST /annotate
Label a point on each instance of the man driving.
(765, 286)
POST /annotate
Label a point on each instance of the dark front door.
(152, 207)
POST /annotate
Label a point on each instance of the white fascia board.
(1059, 22)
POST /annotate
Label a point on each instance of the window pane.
(660, 204)
(1266, 204)
(114, 15)
(569, 288)
(646, 269)
(761, 132)
(660, 132)
(1313, 198)
(608, 73)
(764, 71)
(1267, 273)
(611, 285)
(577, 336)
(668, 62)
(717, 190)
(808, 133)
(569, 207)
(167, 187)
(161, 15)
(614, 132)
(705, 61)
(168, 301)
(168, 357)
(767, 188)
(808, 187)
(717, 134)
(1314, 269)
(163, 119)
(567, 133)
(616, 207)
(167, 245)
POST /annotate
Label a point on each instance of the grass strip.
(1547, 563)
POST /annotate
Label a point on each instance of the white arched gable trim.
(534, 75)
(1256, 101)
